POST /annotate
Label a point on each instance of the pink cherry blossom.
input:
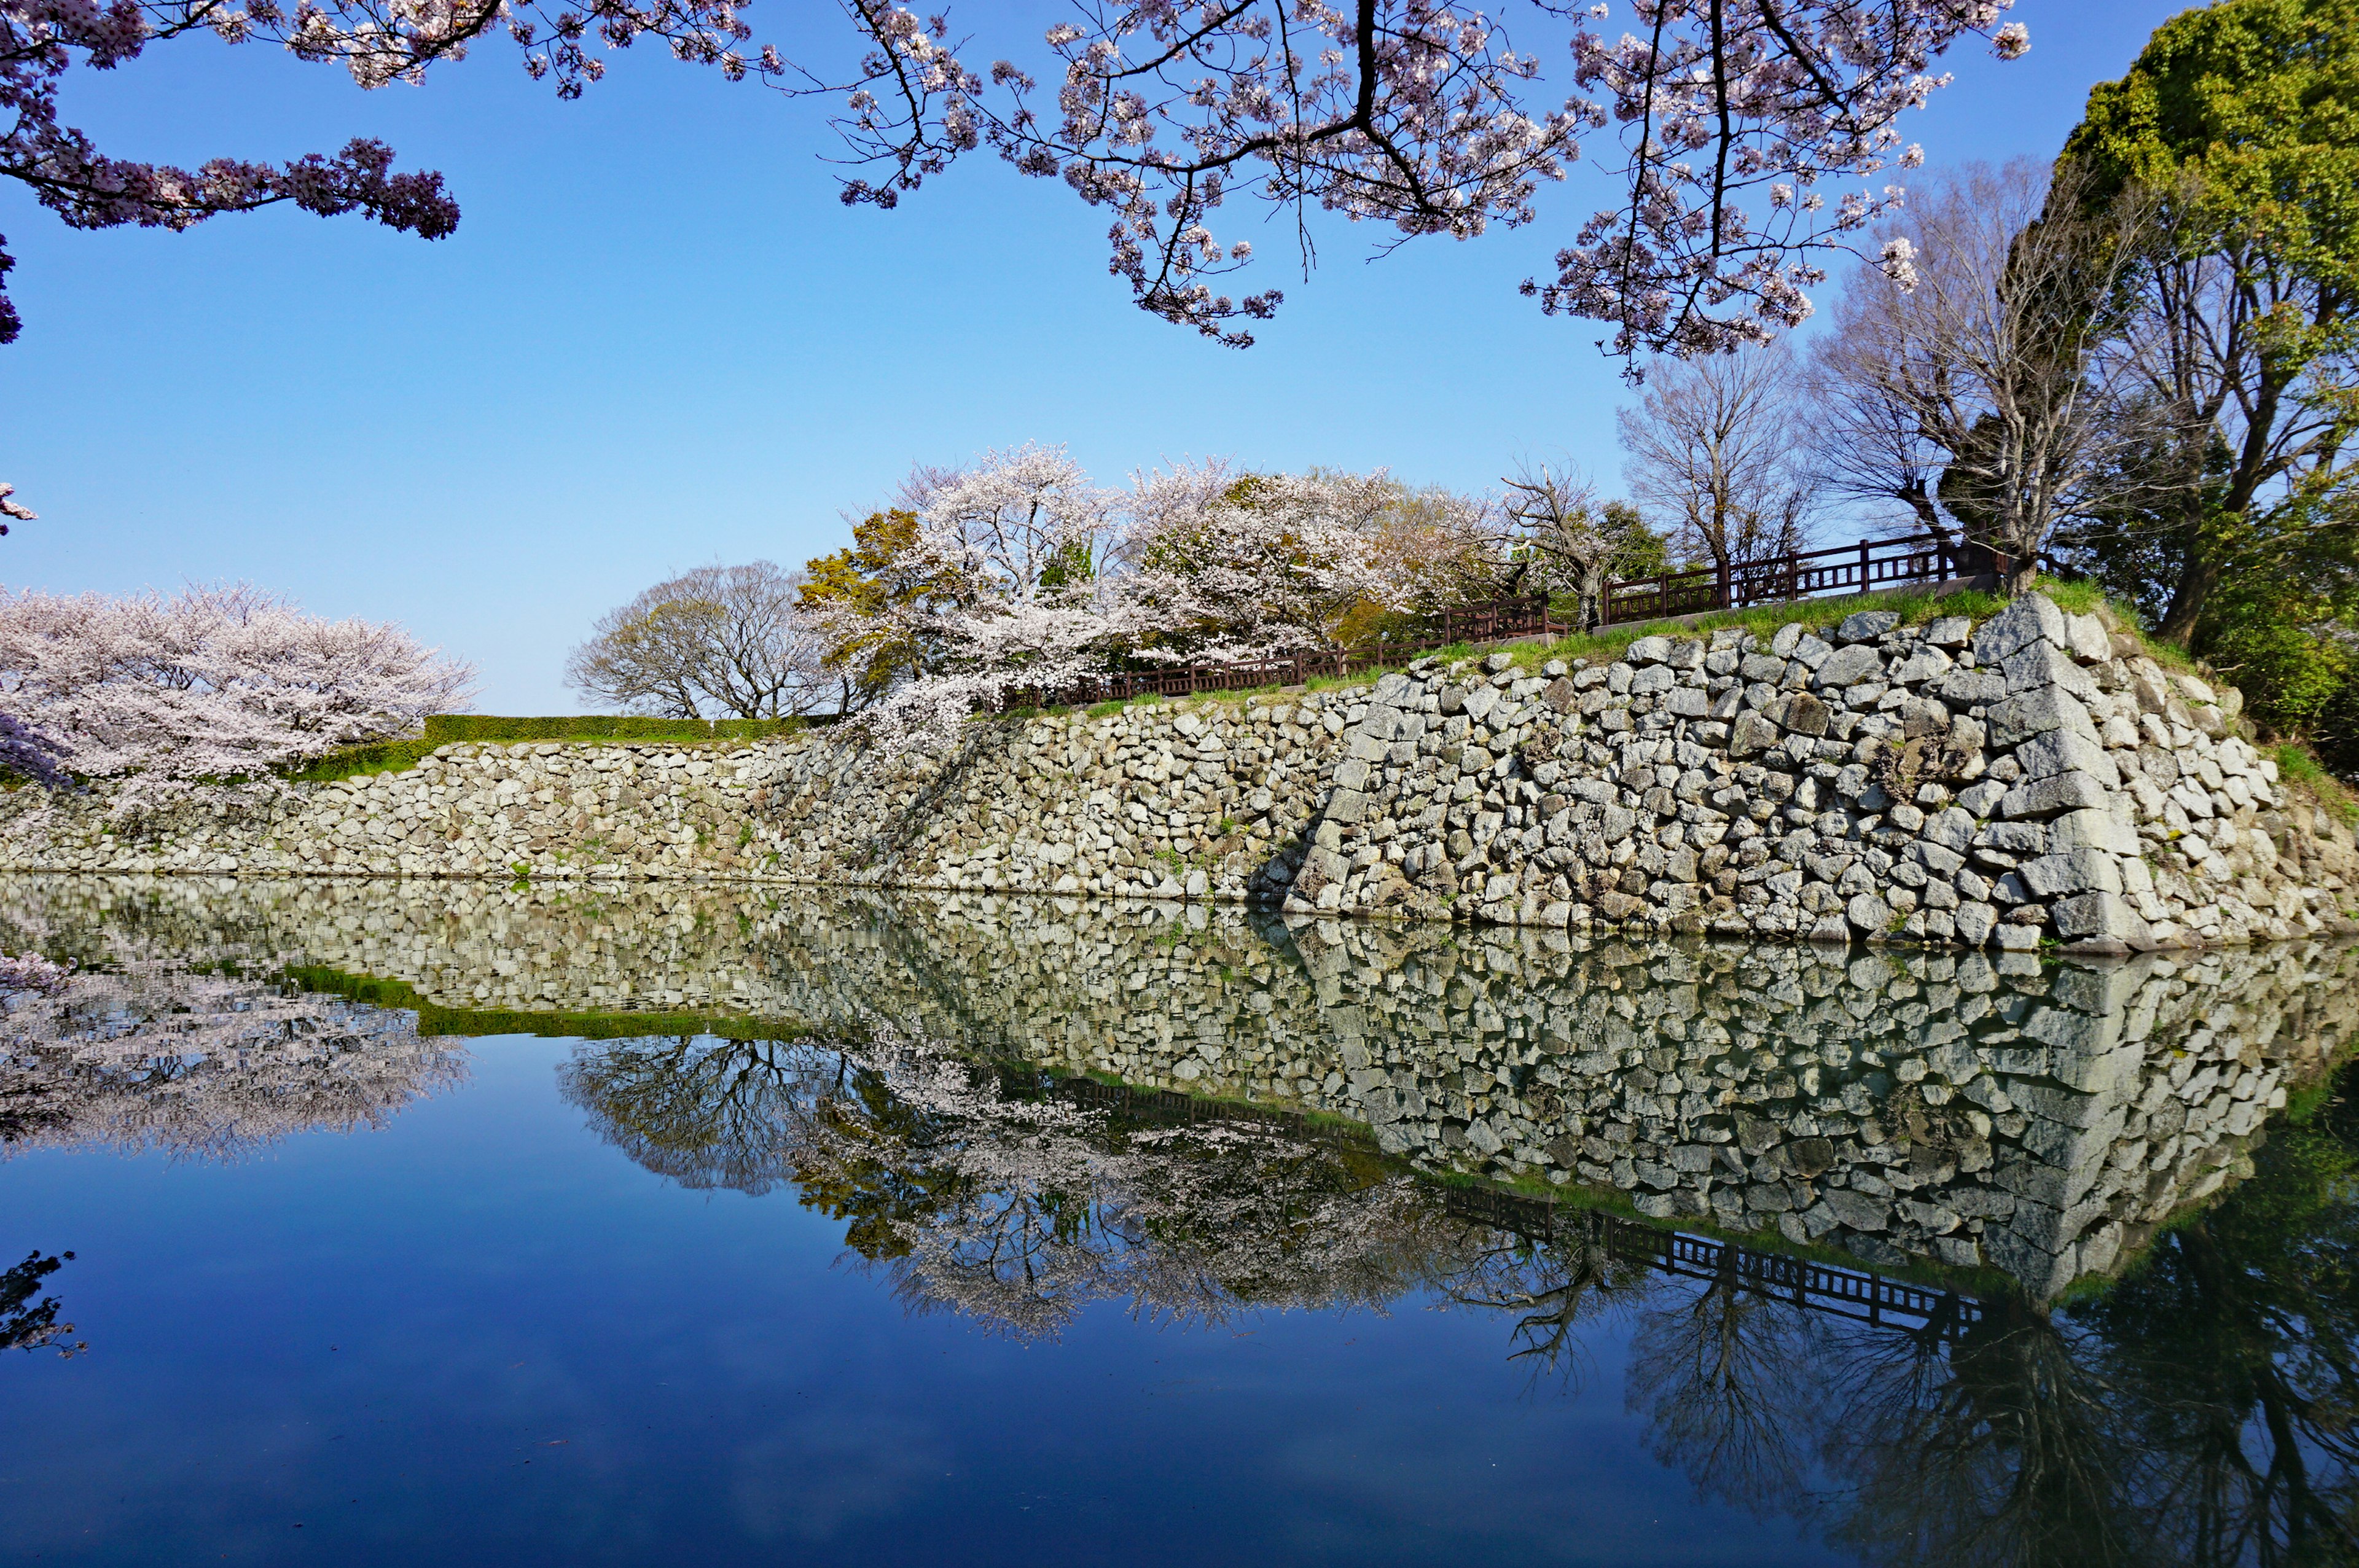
(1420, 116)
(210, 693)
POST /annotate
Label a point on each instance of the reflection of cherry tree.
(149, 1053)
(29, 1319)
(1712, 1373)
(2006, 1450)
(1554, 1291)
(1014, 1207)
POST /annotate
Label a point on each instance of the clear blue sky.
(657, 340)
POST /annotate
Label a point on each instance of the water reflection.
(184, 1054)
(2199, 1410)
(2043, 1121)
(28, 1319)
(1016, 1112)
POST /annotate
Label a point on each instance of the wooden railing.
(1863, 568)
(1804, 574)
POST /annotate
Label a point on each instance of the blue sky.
(657, 341)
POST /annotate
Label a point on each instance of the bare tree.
(1714, 453)
(1558, 534)
(1867, 443)
(730, 636)
(1990, 353)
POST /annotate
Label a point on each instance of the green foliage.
(1643, 553)
(2242, 120)
(2298, 766)
(873, 584)
(2254, 99)
(351, 761)
(475, 1022)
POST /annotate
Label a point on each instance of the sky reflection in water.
(557, 1300)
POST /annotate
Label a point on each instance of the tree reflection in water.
(198, 1059)
(29, 1319)
(974, 1190)
(2199, 1411)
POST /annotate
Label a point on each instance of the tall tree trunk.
(2197, 578)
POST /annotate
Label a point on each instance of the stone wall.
(2033, 777)
(2039, 1117)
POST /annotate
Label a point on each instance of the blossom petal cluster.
(1745, 124)
(209, 692)
(1029, 579)
(1742, 124)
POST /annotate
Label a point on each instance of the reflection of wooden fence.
(1863, 568)
(1819, 1287)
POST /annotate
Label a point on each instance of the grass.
(476, 1023)
(456, 728)
(2296, 767)
(353, 762)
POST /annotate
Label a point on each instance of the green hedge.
(444, 729)
(476, 1023)
(452, 728)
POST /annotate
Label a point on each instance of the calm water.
(699, 1228)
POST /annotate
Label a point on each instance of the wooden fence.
(1863, 568)
(1844, 570)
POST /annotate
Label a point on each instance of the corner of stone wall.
(2034, 778)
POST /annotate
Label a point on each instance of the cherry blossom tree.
(1230, 567)
(1019, 577)
(1014, 550)
(205, 693)
(1737, 120)
(1737, 116)
(183, 1053)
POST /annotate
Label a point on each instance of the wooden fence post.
(1863, 566)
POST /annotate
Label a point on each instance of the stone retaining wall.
(2033, 777)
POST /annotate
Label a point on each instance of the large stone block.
(2077, 870)
(2057, 793)
(1846, 666)
(1804, 714)
(2043, 665)
(2038, 712)
(2093, 829)
(2062, 752)
(2101, 917)
(2029, 617)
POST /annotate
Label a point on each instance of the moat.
(480, 1225)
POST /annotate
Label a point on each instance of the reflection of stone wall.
(2042, 1119)
(1943, 784)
